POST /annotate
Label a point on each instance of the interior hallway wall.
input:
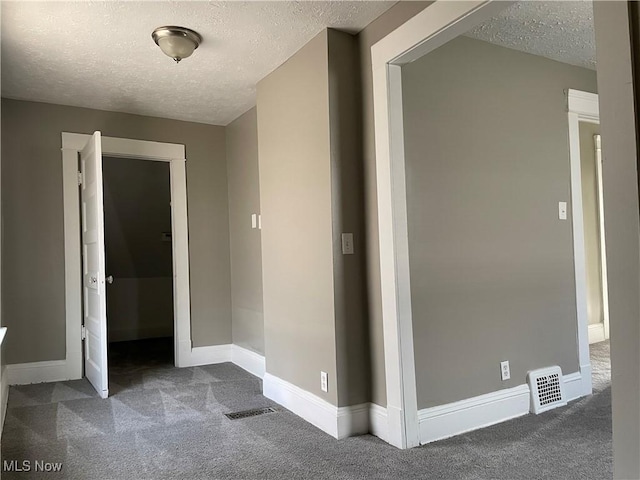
(246, 253)
(492, 269)
(309, 151)
(295, 190)
(33, 248)
(137, 211)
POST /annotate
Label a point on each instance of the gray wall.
(347, 197)
(33, 251)
(487, 160)
(311, 192)
(619, 123)
(375, 31)
(246, 254)
(591, 221)
(137, 210)
(297, 237)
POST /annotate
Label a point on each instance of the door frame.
(174, 154)
(437, 24)
(584, 107)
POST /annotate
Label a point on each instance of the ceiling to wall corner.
(559, 30)
(100, 54)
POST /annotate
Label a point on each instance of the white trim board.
(596, 333)
(57, 370)
(444, 421)
(582, 107)
(38, 372)
(72, 143)
(208, 355)
(438, 23)
(252, 362)
(339, 422)
(455, 418)
(378, 422)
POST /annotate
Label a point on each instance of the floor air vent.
(249, 413)
(547, 389)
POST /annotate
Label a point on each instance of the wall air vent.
(547, 389)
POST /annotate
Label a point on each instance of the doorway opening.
(137, 214)
(477, 264)
(592, 290)
(86, 281)
(594, 240)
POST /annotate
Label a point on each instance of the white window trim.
(72, 143)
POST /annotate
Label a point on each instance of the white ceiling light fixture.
(176, 42)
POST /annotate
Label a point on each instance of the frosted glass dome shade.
(176, 42)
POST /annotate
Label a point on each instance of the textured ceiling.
(100, 54)
(561, 31)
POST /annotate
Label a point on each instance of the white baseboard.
(577, 384)
(596, 333)
(353, 420)
(197, 356)
(58, 370)
(37, 372)
(246, 359)
(437, 423)
(378, 422)
(339, 422)
(445, 421)
(252, 362)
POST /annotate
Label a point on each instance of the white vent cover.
(547, 389)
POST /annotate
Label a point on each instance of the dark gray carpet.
(162, 422)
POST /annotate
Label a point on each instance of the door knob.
(109, 279)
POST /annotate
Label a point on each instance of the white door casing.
(174, 154)
(584, 107)
(94, 293)
(603, 244)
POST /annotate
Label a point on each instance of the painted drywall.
(33, 248)
(347, 210)
(492, 273)
(382, 26)
(246, 254)
(311, 192)
(137, 211)
(297, 237)
(619, 124)
(591, 218)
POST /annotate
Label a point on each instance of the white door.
(93, 266)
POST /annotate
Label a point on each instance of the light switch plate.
(254, 220)
(347, 244)
(562, 210)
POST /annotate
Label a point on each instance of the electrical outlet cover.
(505, 371)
